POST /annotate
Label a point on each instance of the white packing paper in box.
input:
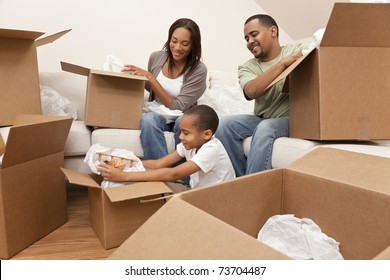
(300, 239)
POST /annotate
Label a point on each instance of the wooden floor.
(75, 240)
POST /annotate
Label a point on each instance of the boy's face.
(190, 135)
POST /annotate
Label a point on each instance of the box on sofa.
(347, 194)
(340, 90)
(32, 187)
(113, 99)
(19, 91)
(117, 212)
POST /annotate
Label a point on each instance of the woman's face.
(180, 44)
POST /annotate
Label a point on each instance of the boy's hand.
(110, 173)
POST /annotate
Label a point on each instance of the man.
(270, 119)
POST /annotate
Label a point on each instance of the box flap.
(51, 38)
(356, 169)
(136, 190)
(19, 34)
(384, 255)
(2, 146)
(33, 137)
(79, 178)
(289, 69)
(185, 232)
(118, 74)
(358, 25)
(76, 69)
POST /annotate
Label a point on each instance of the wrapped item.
(118, 158)
(316, 41)
(54, 104)
(113, 64)
(299, 239)
(168, 114)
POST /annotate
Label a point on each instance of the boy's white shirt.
(213, 161)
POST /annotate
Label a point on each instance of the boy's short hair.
(206, 117)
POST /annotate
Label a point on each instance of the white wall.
(130, 29)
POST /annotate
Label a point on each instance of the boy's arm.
(166, 161)
(185, 169)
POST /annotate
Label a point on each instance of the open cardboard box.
(113, 99)
(340, 91)
(19, 79)
(117, 212)
(346, 194)
(32, 186)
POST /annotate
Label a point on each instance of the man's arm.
(256, 88)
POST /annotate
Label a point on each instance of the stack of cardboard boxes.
(32, 187)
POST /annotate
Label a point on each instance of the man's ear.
(207, 134)
(274, 30)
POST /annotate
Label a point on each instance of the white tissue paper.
(113, 64)
(54, 104)
(316, 41)
(168, 114)
(299, 239)
(92, 159)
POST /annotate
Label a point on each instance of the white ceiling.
(299, 18)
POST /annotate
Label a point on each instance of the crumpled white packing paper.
(92, 159)
(299, 239)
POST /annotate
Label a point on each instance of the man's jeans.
(232, 131)
(152, 137)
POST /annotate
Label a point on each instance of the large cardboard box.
(117, 212)
(340, 91)
(346, 194)
(32, 186)
(113, 99)
(19, 80)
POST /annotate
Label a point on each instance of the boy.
(206, 159)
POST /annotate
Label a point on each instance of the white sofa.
(223, 94)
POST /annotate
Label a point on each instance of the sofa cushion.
(79, 139)
(126, 139)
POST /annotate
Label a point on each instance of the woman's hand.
(136, 71)
(110, 173)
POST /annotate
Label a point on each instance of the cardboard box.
(32, 186)
(340, 91)
(19, 80)
(113, 99)
(117, 212)
(346, 194)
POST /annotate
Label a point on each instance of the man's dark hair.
(265, 20)
(206, 117)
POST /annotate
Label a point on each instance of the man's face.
(258, 38)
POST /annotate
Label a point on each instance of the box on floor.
(19, 80)
(346, 194)
(117, 212)
(340, 90)
(113, 99)
(33, 192)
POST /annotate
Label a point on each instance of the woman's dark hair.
(206, 117)
(196, 47)
(265, 20)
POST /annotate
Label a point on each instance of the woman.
(176, 79)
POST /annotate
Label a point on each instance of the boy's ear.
(208, 134)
